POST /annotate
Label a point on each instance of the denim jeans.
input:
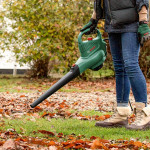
(125, 50)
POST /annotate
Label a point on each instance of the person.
(126, 23)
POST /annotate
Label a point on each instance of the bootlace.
(138, 118)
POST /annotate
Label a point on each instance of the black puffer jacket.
(121, 15)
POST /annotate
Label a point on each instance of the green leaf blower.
(93, 54)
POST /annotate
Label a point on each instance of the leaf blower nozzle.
(93, 54)
(73, 73)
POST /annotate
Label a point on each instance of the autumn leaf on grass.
(22, 96)
(100, 118)
(44, 114)
(37, 108)
(1, 143)
(93, 138)
(11, 132)
(97, 144)
(48, 114)
(70, 146)
(20, 139)
(138, 144)
(107, 116)
(79, 141)
(39, 90)
(60, 135)
(78, 147)
(46, 132)
(1, 111)
(104, 141)
(51, 143)
(148, 145)
(9, 144)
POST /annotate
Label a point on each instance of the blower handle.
(82, 33)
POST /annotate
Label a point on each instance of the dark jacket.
(128, 27)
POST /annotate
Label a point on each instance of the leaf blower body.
(93, 54)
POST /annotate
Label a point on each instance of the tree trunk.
(39, 68)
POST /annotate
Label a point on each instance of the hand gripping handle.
(82, 33)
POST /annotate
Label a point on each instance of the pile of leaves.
(11, 140)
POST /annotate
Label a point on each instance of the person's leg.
(130, 51)
(122, 80)
(119, 118)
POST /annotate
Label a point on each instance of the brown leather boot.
(142, 118)
(118, 119)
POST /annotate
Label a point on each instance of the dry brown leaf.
(98, 145)
(51, 143)
(22, 96)
(9, 144)
(138, 144)
(46, 132)
(52, 148)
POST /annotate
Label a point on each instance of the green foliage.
(44, 29)
(144, 59)
(45, 34)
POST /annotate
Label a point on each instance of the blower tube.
(73, 73)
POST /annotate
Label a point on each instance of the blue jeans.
(125, 50)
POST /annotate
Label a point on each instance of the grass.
(90, 112)
(103, 73)
(70, 126)
(23, 85)
(27, 127)
(10, 84)
(19, 84)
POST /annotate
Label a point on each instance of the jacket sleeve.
(140, 3)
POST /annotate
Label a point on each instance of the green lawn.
(27, 125)
(71, 126)
(19, 84)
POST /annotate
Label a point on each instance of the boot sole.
(146, 127)
(112, 125)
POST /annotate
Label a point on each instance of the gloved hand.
(92, 24)
(143, 32)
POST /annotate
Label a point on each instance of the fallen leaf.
(22, 96)
(9, 144)
(51, 143)
(138, 144)
(52, 148)
(46, 132)
(98, 145)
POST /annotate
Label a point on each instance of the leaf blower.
(93, 54)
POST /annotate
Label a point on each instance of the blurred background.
(38, 38)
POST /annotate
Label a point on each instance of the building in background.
(8, 64)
